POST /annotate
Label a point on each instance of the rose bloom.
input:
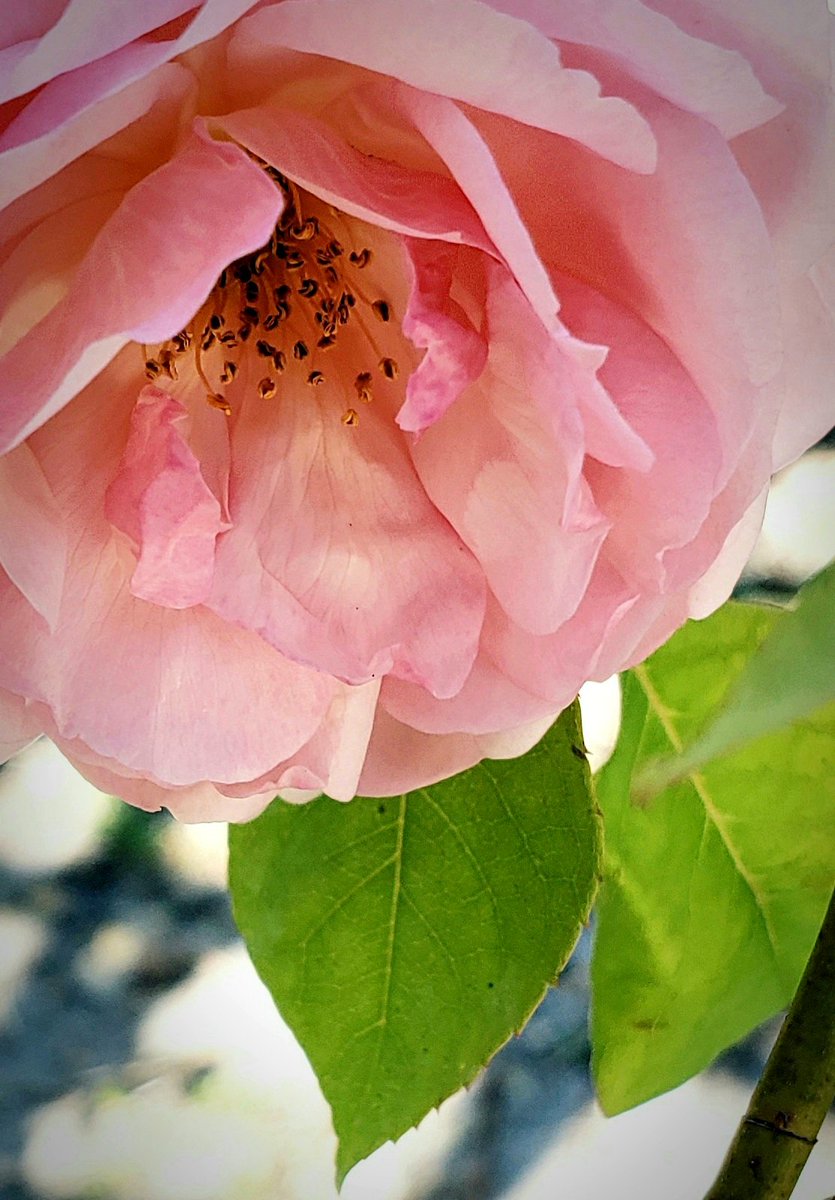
(374, 374)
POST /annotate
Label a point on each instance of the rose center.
(295, 307)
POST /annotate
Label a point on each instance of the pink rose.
(375, 375)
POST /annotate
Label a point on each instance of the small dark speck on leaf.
(381, 808)
(491, 984)
(578, 751)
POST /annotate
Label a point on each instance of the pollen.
(298, 299)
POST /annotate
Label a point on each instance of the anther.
(361, 259)
(152, 368)
(315, 377)
(350, 417)
(266, 388)
(389, 368)
(265, 349)
(218, 401)
(309, 287)
(216, 321)
(381, 309)
(300, 350)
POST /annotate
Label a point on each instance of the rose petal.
(401, 759)
(455, 352)
(19, 724)
(33, 536)
(391, 195)
(517, 71)
(181, 679)
(157, 235)
(337, 557)
(504, 467)
(160, 499)
(695, 74)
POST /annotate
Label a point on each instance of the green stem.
(795, 1092)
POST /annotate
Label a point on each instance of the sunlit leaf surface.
(713, 890)
(405, 939)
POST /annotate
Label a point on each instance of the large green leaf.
(404, 940)
(714, 890)
(791, 675)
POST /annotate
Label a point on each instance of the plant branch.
(796, 1090)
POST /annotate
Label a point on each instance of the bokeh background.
(141, 1058)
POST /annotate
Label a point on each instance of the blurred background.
(141, 1058)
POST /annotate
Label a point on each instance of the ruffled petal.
(456, 353)
(393, 196)
(650, 512)
(686, 250)
(156, 235)
(161, 501)
(516, 72)
(336, 556)
(504, 466)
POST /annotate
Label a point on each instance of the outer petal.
(19, 724)
(193, 804)
(400, 759)
(516, 71)
(157, 235)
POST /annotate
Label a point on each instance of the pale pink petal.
(33, 535)
(685, 249)
(90, 29)
(161, 501)
(332, 761)
(336, 556)
(157, 234)
(194, 804)
(693, 73)
(516, 71)
(455, 352)
(650, 511)
(469, 159)
(19, 724)
(401, 759)
(71, 116)
(391, 195)
(504, 467)
(487, 703)
(717, 582)
(158, 690)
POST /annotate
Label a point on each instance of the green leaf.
(790, 676)
(714, 891)
(404, 940)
